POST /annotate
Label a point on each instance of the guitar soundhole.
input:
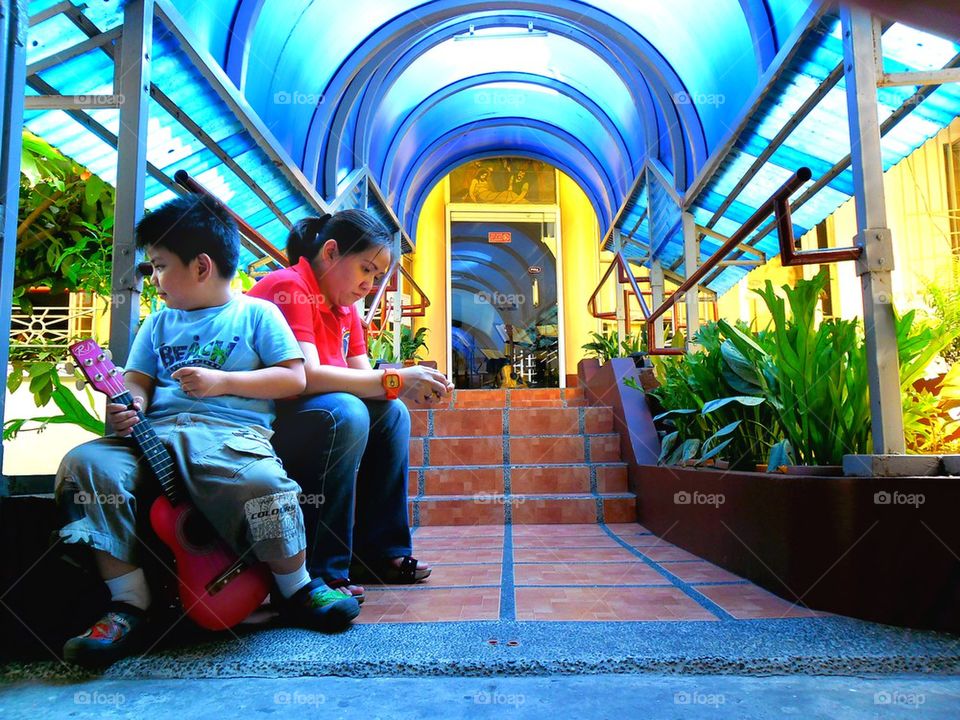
(196, 533)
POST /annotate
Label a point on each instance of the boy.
(205, 371)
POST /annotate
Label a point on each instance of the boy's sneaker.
(119, 633)
(317, 607)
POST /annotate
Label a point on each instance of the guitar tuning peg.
(80, 383)
(69, 367)
(108, 354)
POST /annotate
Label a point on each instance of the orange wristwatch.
(392, 384)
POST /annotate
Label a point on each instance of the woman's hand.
(424, 384)
(121, 418)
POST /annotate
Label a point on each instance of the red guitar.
(217, 589)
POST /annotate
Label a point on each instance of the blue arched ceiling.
(386, 85)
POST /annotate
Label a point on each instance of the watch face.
(391, 381)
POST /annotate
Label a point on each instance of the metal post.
(135, 53)
(13, 39)
(622, 328)
(397, 299)
(691, 261)
(657, 287)
(860, 46)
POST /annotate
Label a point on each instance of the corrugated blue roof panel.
(821, 140)
(171, 146)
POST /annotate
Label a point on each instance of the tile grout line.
(688, 590)
(507, 474)
(508, 602)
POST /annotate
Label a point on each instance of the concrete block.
(891, 465)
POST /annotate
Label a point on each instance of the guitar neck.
(156, 454)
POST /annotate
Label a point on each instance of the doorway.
(504, 300)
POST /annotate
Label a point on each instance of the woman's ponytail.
(305, 238)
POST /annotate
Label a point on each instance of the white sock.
(291, 582)
(131, 588)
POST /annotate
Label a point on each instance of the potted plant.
(380, 348)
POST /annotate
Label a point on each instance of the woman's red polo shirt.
(336, 330)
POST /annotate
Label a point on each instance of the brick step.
(524, 479)
(473, 422)
(524, 450)
(537, 397)
(522, 509)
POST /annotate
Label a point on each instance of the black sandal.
(385, 572)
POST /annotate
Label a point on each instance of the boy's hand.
(121, 418)
(201, 382)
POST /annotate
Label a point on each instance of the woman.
(345, 441)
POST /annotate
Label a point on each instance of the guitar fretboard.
(157, 455)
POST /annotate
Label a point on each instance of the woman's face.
(344, 279)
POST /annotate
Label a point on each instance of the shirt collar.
(305, 270)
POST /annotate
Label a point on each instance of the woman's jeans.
(351, 458)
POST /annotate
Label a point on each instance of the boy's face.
(177, 283)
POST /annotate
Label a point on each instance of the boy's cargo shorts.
(230, 472)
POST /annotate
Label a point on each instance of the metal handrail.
(624, 275)
(380, 301)
(778, 204)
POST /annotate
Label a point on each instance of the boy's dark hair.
(354, 230)
(190, 225)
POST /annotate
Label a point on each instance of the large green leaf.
(671, 413)
(667, 446)
(686, 451)
(780, 454)
(722, 432)
(714, 451)
(746, 400)
(739, 372)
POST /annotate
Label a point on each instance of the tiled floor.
(587, 573)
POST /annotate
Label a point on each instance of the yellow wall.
(917, 207)
(430, 271)
(580, 248)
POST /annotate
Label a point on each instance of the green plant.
(945, 303)
(45, 384)
(814, 377)
(381, 347)
(64, 226)
(927, 427)
(609, 345)
(706, 399)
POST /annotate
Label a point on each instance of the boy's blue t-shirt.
(244, 334)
